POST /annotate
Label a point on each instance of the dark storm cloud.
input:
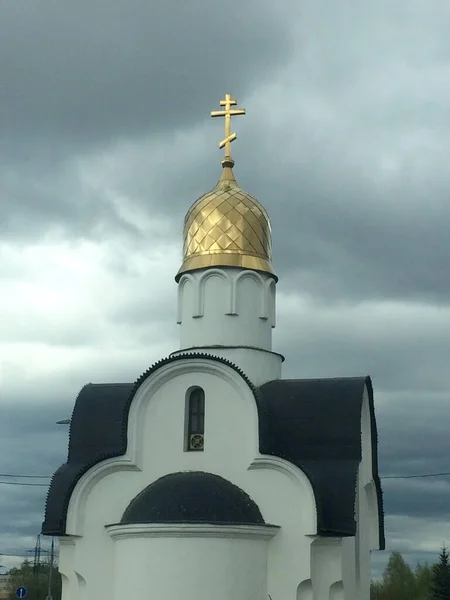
(414, 440)
(344, 241)
(423, 498)
(45, 194)
(363, 199)
(414, 433)
(82, 76)
(24, 505)
(101, 70)
(403, 348)
(24, 429)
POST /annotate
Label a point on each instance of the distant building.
(211, 476)
(4, 586)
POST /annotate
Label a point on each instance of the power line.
(415, 476)
(25, 476)
(24, 483)
(14, 476)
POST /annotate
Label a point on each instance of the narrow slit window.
(196, 419)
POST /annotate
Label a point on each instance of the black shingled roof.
(98, 430)
(193, 497)
(314, 424)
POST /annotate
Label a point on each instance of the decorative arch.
(186, 278)
(299, 477)
(207, 274)
(337, 591)
(305, 590)
(247, 274)
(371, 499)
(269, 297)
(66, 586)
(81, 591)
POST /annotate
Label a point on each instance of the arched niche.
(337, 591)
(305, 590)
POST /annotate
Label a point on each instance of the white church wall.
(367, 520)
(221, 310)
(260, 366)
(81, 590)
(364, 576)
(226, 306)
(349, 568)
(191, 562)
(284, 495)
(305, 590)
(73, 584)
(65, 567)
(156, 448)
(366, 478)
(337, 591)
(326, 569)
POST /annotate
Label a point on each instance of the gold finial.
(228, 112)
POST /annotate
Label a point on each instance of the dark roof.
(193, 497)
(98, 430)
(314, 424)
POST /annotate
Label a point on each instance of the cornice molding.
(197, 530)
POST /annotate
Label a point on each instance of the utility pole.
(50, 571)
(37, 556)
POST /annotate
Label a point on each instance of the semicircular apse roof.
(193, 497)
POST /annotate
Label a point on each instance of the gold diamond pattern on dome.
(227, 227)
(224, 228)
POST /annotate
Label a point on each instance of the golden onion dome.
(227, 227)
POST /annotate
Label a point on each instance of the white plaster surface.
(192, 561)
(227, 306)
(221, 310)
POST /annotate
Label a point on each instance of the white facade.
(100, 558)
(230, 312)
(174, 560)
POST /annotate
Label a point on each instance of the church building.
(211, 477)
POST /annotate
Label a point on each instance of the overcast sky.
(106, 140)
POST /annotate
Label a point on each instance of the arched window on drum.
(195, 420)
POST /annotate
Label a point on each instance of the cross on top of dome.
(228, 112)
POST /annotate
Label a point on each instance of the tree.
(424, 576)
(376, 590)
(35, 582)
(440, 582)
(398, 580)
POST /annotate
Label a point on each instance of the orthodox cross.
(228, 112)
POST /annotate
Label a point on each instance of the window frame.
(195, 416)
